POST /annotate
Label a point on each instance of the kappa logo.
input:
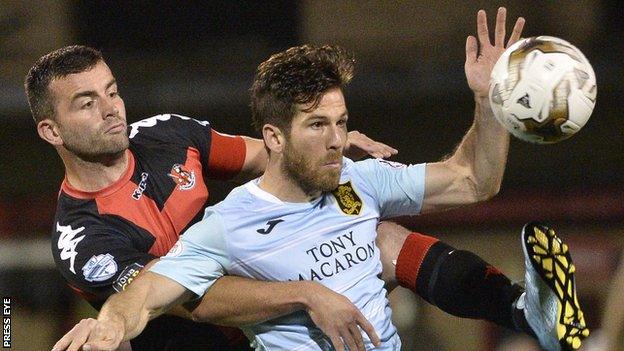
(271, 224)
(348, 200)
(183, 178)
(99, 268)
(67, 243)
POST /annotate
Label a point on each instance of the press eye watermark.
(6, 322)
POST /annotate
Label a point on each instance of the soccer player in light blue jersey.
(312, 217)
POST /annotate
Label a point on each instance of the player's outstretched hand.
(90, 335)
(481, 55)
(359, 146)
(339, 319)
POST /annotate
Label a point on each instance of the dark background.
(198, 59)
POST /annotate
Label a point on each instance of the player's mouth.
(116, 128)
(333, 163)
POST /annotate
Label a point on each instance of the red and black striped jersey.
(101, 240)
(99, 235)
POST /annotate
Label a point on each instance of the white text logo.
(67, 243)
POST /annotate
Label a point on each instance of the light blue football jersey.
(330, 240)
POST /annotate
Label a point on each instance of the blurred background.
(198, 59)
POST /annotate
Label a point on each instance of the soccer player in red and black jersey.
(130, 191)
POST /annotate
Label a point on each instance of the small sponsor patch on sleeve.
(99, 268)
(127, 276)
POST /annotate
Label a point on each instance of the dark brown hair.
(299, 75)
(57, 64)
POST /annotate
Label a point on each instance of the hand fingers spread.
(76, 343)
(336, 341)
(517, 31)
(347, 339)
(75, 337)
(357, 337)
(471, 49)
(369, 330)
(482, 28)
(63, 343)
(499, 31)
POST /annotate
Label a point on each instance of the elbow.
(483, 190)
(486, 194)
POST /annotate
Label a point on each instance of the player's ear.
(274, 138)
(48, 131)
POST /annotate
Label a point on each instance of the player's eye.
(316, 125)
(113, 94)
(87, 104)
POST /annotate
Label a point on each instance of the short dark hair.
(299, 75)
(57, 64)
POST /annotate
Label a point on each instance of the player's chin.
(329, 181)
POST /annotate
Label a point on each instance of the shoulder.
(238, 200)
(164, 123)
(75, 213)
(79, 220)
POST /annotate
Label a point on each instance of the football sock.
(459, 282)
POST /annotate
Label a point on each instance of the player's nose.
(336, 137)
(109, 107)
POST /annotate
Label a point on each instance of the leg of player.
(462, 284)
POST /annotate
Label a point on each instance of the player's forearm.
(235, 301)
(126, 311)
(483, 151)
(149, 296)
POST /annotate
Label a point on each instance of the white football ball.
(542, 89)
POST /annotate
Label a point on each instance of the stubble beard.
(96, 147)
(307, 174)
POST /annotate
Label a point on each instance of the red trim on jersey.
(227, 155)
(118, 184)
(410, 258)
(143, 212)
(178, 211)
(184, 205)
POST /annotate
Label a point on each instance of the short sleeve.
(227, 155)
(398, 188)
(199, 258)
(222, 155)
(96, 260)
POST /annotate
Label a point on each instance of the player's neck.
(280, 185)
(94, 176)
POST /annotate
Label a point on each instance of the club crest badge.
(99, 268)
(347, 199)
(183, 178)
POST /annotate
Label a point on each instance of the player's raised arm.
(474, 172)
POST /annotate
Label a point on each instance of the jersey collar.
(71, 191)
